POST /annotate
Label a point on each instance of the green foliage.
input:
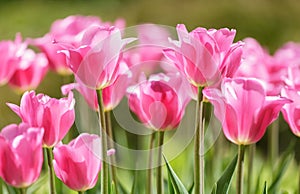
(222, 185)
(177, 184)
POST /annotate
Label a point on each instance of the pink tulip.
(160, 101)
(204, 56)
(67, 31)
(29, 72)
(10, 55)
(96, 61)
(291, 112)
(244, 109)
(56, 116)
(78, 164)
(288, 54)
(257, 59)
(21, 154)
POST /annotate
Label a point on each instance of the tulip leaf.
(284, 162)
(170, 185)
(191, 188)
(222, 185)
(265, 188)
(177, 184)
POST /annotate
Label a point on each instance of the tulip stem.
(240, 170)
(22, 190)
(104, 171)
(273, 141)
(299, 181)
(159, 180)
(250, 167)
(149, 171)
(51, 170)
(111, 146)
(1, 186)
(199, 145)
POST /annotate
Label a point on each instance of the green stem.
(199, 145)
(250, 167)
(274, 141)
(159, 180)
(80, 192)
(51, 170)
(149, 171)
(240, 170)
(299, 181)
(111, 146)
(104, 170)
(22, 190)
(1, 186)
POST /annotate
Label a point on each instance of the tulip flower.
(21, 154)
(96, 61)
(160, 101)
(29, 72)
(291, 111)
(204, 56)
(56, 116)
(244, 109)
(67, 31)
(78, 164)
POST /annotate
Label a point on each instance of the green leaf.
(284, 162)
(41, 182)
(177, 184)
(265, 188)
(222, 185)
(170, 185)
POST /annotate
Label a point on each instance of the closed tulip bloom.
(21, 154)
(158, 102)
(56, 116)
(244, 109)
(291, 111)
(78, 164)
(96, 61)
(67, 31)
(204, 56)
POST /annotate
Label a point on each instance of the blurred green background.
(271, 22)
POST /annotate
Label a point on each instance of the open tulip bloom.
(56, 116)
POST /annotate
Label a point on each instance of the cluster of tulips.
(247, 86)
